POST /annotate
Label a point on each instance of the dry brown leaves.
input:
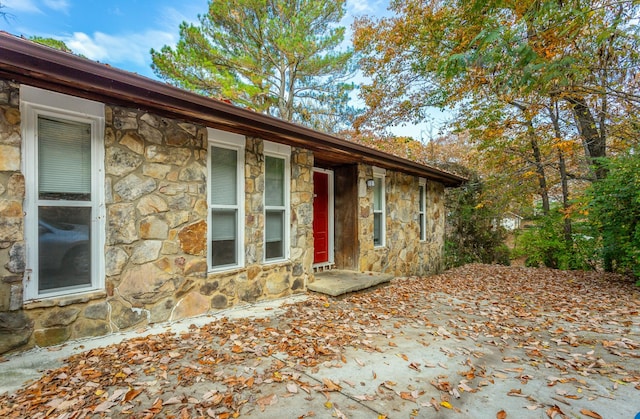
(232, 367)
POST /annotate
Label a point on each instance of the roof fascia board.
(45, 67)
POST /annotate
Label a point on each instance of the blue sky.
(121, 33)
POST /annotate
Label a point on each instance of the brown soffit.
(40, 66)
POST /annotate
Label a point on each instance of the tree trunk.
(564, 179)
(537, 158)
(542, 178)
(594, 144)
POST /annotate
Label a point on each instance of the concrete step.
(337, 281)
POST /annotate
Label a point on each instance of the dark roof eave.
(30, 63)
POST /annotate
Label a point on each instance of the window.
(226, 199)
(63, 166)
(422, 206)
(276, 201)
(378, 207)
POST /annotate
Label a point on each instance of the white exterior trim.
(422, 209)
(381, 174)
(276, 149)
(228, 140)
(283, 152)
(379, 171)
(34, 102)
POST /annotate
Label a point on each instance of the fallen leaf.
(554, 411)
(266, 401)
(131, 394)
(407, 396)
(330, 385)
(590, 413)
(172, 400)
(414, 366)
(435, 405)
(501, 415)
(104, 406)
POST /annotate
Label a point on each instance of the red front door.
(320, 217)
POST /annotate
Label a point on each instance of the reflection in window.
(64, 252)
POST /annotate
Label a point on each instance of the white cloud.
(360, 6)
(130, 51)
(170, 18)
(81, 43)
(27, 6)
(58, 5)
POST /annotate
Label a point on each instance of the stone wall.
(156, 232)
(155, 256)
(403, 254)
(15, 327)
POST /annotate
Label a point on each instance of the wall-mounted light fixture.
(371, 183)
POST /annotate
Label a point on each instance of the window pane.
(274, 182)
(63, 247)
(64, 159)
(274, 234)
(224, 176)
(223, 224)
(223, 237)
(274, 226)
(377, 229)
(423, 233)
(422, 199)
(377, 194)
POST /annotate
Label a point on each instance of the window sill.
(276, 262)
(226, 270)
(64, 300)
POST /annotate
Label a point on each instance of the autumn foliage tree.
(279, 57)
(527, 54)
(545, 89)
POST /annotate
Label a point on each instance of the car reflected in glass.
(64, 247)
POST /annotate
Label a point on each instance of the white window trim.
(224, 139)
(423, 209)
(331, 204)
(34, 102)
(284, 152)
(381, 174)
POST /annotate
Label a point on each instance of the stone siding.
(15, 327)
(155, 255)
(403, 253)
(156, 232)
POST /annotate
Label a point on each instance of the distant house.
(125, 201)
(511, 221)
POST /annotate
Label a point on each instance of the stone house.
(125, 201)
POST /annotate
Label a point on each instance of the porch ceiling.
(40, 66)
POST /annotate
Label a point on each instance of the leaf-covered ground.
(479, 342)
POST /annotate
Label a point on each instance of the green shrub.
(472, 231)
(544, 244)
(614, 211)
